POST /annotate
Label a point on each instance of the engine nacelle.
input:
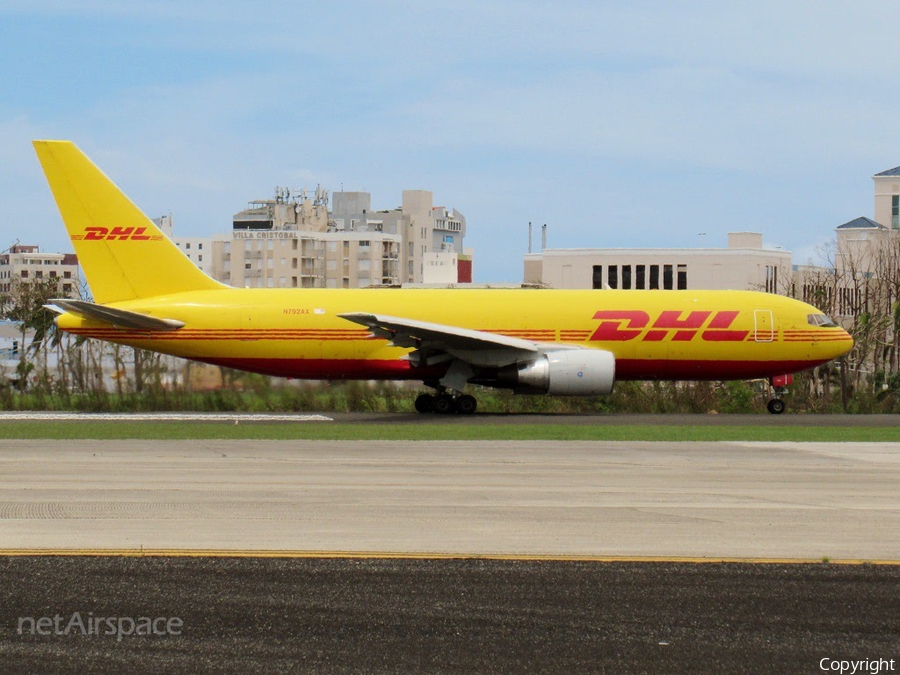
(567, 372)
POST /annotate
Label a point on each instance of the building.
(864, 273)
(887, 198)
(860, 241)
(27, 263)
(294, 241)
(198, 249)
(744, 264)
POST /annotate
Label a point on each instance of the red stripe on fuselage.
(331, 369)
(626, 369)
(673, 369)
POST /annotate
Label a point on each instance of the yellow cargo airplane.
(148, 295)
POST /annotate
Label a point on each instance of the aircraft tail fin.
(123, 254)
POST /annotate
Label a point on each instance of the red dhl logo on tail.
(116, 233)
(623, 325)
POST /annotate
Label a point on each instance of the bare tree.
(25, 305)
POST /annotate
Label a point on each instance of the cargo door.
(764, 325)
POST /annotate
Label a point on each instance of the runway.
(462, 557)
(381, 419)
(41, 416)
(631, 500)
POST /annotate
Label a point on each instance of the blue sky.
(618, 124)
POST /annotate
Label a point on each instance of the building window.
(67, 275)
(200, 246)
(24, 274)
(626, 277)
(771, 279)
(187, 245)
(895, 212)
(597, 279)
(200, 258)
(682, 277)
(612, 276)
(654, 277)
(639, 276)
(667, 277)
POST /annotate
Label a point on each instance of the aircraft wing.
(475, 347)
(120, 318)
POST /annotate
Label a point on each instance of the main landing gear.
(445, 403)
(779, 385)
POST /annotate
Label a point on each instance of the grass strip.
(435, 431)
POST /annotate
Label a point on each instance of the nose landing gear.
(776, 406)
(779, 385)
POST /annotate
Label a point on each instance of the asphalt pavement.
(243, 615)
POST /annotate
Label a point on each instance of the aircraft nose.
(843, 345)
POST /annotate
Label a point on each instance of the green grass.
(428, 429)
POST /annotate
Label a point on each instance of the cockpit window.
(820, 320)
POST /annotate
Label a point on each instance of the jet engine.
(566, 372)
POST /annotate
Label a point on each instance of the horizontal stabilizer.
(117, 317)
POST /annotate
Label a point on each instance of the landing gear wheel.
(776, 406)
(466, 404)
(443, 404)
(425, 403)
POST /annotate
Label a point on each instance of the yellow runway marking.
(387, 555)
